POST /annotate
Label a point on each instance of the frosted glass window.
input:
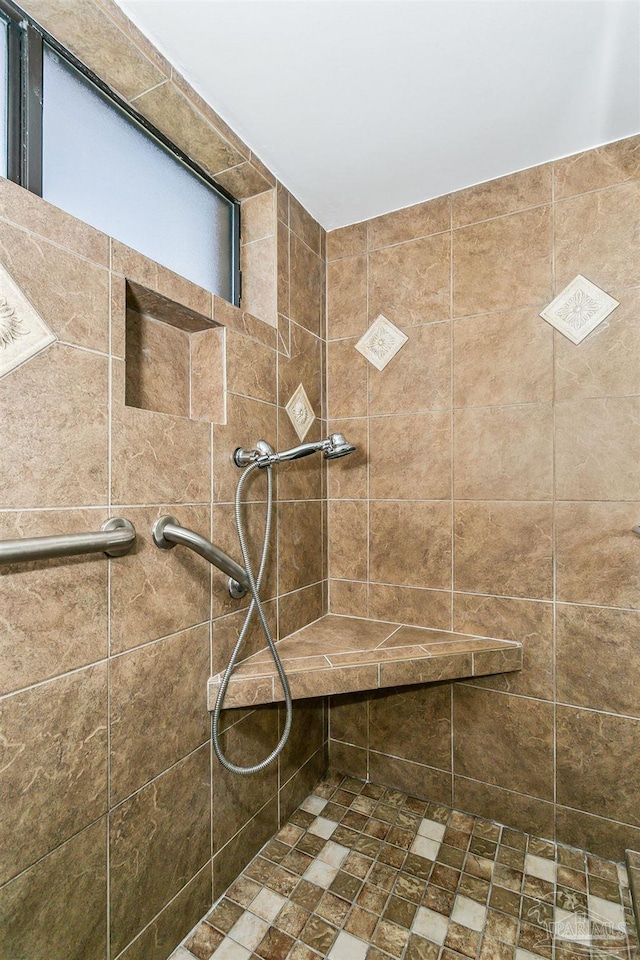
(3, 98)
(101, 166)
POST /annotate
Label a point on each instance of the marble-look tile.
(410, 605)
(347, 297)
(602, 836)
(418, 379)
(297, 609)
(54, 761)
(303, 781)
(251, 368)
(157, 367)
(347, 241)
(307, 736)
(504, 453)
(335, 634)
(348, 598)
(245, 743)
(65, 391)
(259, 216)
(301, 479)
(174, 922)
(504, 548)
(349, 719)
(502, 358)
(523, 241)
(348, 539)
(299, 544)
(528, 622)
(248, 421)
(27, 210)
(178, 577)
(592, 750)
(424, 294)
(421, 446)
(64, 605)
(495, 198)
(410, 543)
(302, 223)
(603, 167)
(243, 180)
(232, 858)
(158, 687)
(171, 112)
(159, 839)
(172, 462)
(418, 780)
(587, 638)
(414, 724)
(343, 758)
(513, 809)
(598, 449)
(226, 631)
(410, 223)
(58, 908)
(207, 356)
(608, 361)
(515, 727)
(302, 365)
(307, 281)
(597, 235)
(347, 379)
(592, 538)
(225, 536)
(259, 291)
(348, 476)
(70, 294)
(89, 33)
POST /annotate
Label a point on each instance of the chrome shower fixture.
(263, 455)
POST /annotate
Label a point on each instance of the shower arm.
(167, 532)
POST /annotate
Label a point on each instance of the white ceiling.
(365, 106)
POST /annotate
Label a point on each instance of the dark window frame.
(25, 42)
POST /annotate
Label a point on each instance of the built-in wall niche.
(175, 358)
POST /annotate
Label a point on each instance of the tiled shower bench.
(347, 654)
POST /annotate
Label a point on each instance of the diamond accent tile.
(23, 332)
(579, 309)
(381, 342)
(300, 412)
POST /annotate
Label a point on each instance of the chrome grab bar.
(114, 539)
(167, 532)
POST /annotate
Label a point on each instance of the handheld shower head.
(339, 447)
(332, 447)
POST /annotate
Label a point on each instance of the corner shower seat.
(348, 654)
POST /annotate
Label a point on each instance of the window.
(85, 150)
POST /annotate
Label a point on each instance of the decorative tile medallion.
(23, 332)
(381, 342)
(579, 309)
(300, 412)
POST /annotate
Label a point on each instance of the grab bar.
(115, 538)
(167, 532)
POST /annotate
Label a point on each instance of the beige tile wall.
(119, 826)
(494, 492)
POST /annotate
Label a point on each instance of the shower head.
(339, 447)
(332, 447)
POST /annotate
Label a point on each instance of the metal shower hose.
(256, 604)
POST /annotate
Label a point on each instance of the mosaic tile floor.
(361, 872)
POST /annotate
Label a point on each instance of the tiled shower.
(493, 493)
